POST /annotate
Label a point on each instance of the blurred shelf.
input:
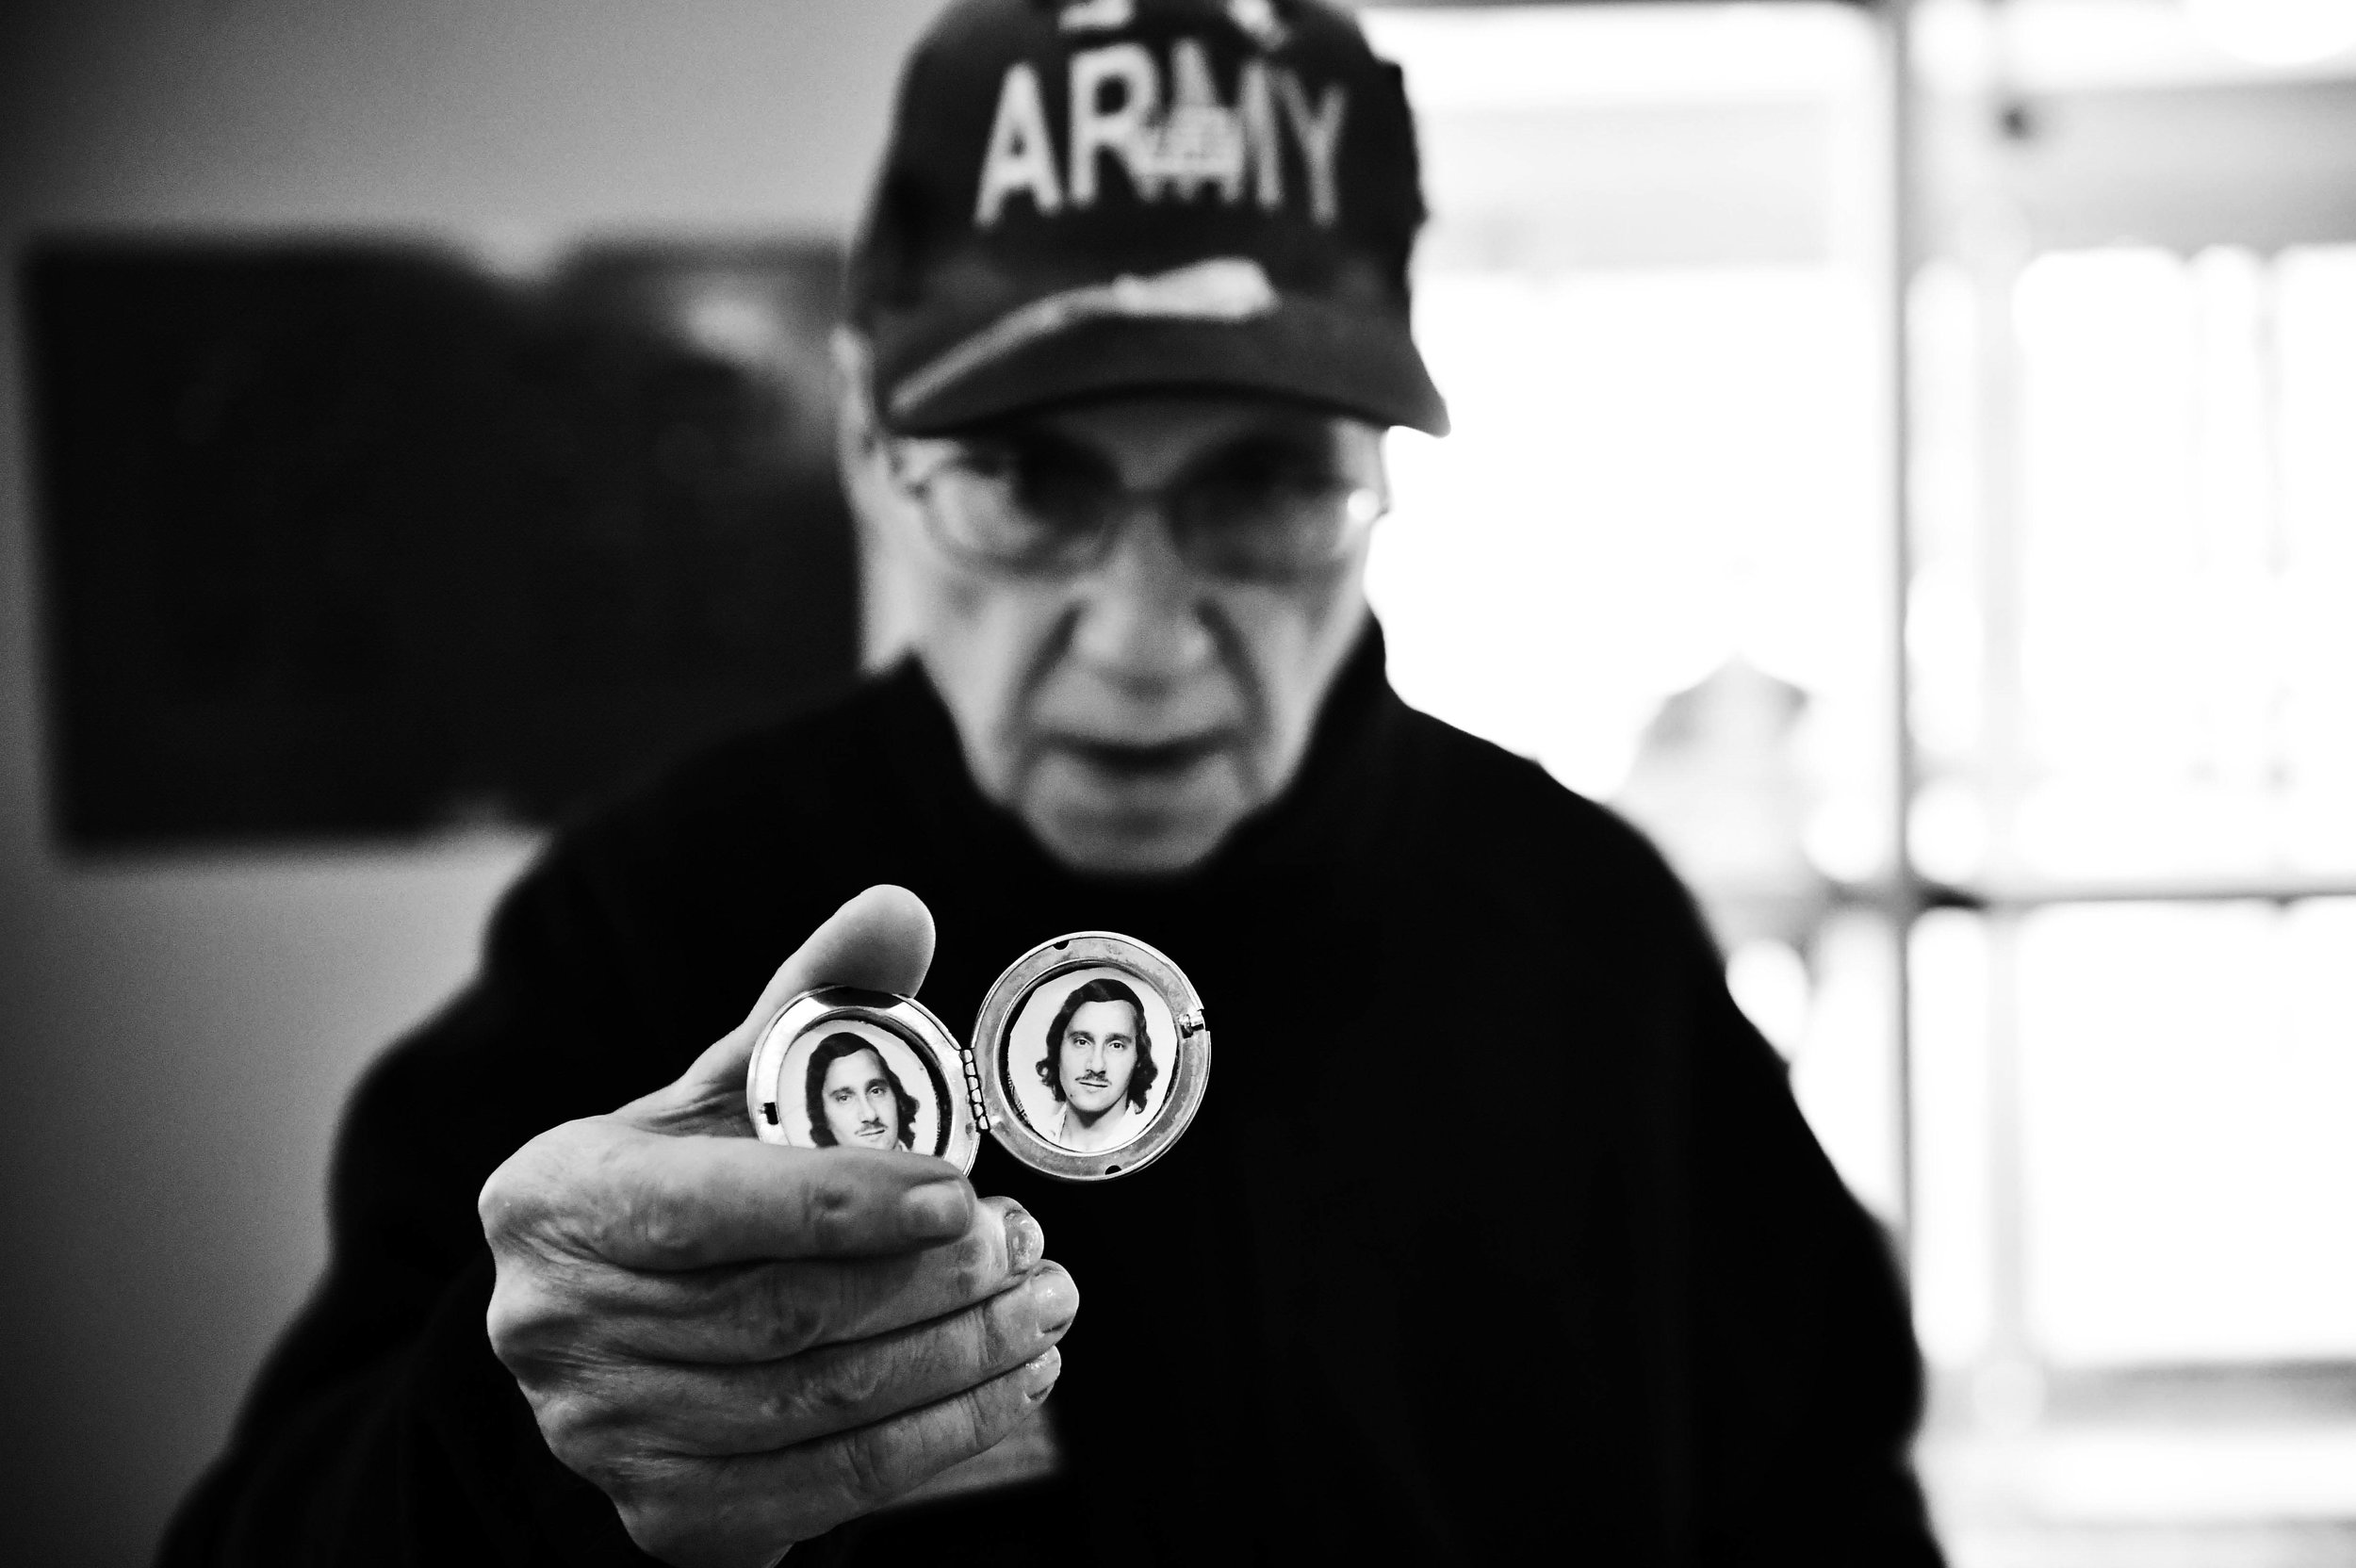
(2149, 1475)
(2240, 1546)
(2038, 892)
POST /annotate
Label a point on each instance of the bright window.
(1658, 554)
(1648, 293)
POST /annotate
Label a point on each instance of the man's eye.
(1276, 464)
(1254, 504)
(1058, 493)
(991, 462)
(1281, 476)
(1028, 469)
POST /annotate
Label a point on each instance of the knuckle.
(829, 1209)
(519, 1318)
(541, 1303)
(1007, 1329)
(514, 1201)
(842, 1391)
(867, 1467)
(788, 1311)
(567, 1389)
(660, 1232)
(576, 1423)
(604, 1444)
(973, 1266)
(978, 1417)
(608, 1204)
(656, 1526)
(496, 1203)
(668, 1512)
(544, 1187)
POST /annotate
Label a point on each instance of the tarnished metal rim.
(1190, 1070)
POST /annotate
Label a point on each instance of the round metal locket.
(1089, 1060)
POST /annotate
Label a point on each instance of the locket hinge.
(974, 1089)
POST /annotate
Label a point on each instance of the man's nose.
(1141, 616)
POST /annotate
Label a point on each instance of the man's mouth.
(1090, 1082)
(1160, 760)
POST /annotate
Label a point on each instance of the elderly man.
(1128, 319)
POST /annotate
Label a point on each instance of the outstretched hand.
(744, 1344)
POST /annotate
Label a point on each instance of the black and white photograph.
(846, 1083)
(1091, 1058)
(664, 666)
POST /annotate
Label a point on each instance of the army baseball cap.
(1103, 196)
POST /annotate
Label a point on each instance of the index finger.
(651, 1202)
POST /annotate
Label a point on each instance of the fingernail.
(1055, 1299)
(1041, 1371)
(1025, 1242)
(935, 1209)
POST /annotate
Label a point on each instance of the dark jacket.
(1499, 1235)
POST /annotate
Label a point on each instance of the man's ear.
(859, 438)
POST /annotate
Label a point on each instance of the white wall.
(177, 1035)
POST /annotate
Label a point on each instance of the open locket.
(1089, 1059)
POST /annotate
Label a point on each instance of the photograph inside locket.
(1090, 1058)
(847, 1083)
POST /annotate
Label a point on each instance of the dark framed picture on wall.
(356, 538)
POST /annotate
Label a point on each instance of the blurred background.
(1905, 458)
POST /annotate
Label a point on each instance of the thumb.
(881, 940)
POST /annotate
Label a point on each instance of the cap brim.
(1305, 350)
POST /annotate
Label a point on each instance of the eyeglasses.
(1255, 512)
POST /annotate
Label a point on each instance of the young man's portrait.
(1099, 1066)
(855, 1099)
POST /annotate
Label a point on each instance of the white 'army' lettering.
(1177, 149)
(1021, 156)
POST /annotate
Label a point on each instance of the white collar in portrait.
(1117, 1127)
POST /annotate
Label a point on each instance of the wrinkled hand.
(743, 1344)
